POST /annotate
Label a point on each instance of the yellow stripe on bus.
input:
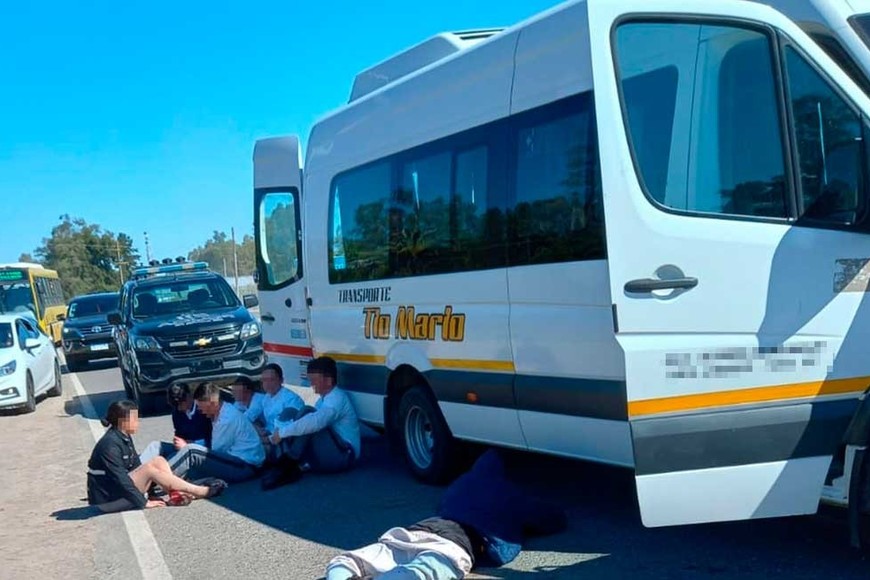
(745, 396)
(441, 363)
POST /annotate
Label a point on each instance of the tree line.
(89, 258)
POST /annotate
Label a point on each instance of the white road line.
(148, 554)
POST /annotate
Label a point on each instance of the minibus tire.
(427, 443)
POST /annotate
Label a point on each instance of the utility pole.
(225, 267)
(235, 260)
(147, 250)
(120, 262)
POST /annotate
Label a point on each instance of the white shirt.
(332, 410)
(256, 402)
(273, 406)
(234, 435)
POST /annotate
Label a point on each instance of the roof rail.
(413, 59)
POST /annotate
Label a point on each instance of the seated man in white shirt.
(245, 398)
(326, 438)
(279, 403)
(236, 452)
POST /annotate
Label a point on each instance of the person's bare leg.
(157, 471)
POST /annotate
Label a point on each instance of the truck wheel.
(149, 403)
(428, 445)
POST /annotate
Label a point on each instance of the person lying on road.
(236, 452)
(325, 438)
(483, 520)
(189, 425)
(117, 480)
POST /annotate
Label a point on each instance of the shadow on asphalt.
(605, 535)
(604, 528)
(97, 365)
(77, 513)
(101, 402)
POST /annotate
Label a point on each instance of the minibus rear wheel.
(428, 445)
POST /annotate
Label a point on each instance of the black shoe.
(286, 471)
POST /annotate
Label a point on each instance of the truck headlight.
(250, 330)
(145, 343)
(70, 333)
(7, 369)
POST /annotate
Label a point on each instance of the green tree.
(26, 257)
(219, 250)
(87, 258)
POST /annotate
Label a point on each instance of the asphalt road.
(291, 533)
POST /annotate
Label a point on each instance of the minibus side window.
(557, 215)
(700, 106)
(829, 146)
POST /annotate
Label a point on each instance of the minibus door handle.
(267, 317)
(647, 285)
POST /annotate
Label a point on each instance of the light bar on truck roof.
(169, 269)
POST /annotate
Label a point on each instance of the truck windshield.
(93, 306)
(179, 297)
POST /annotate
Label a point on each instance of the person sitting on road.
(236, 452)
(117, 480)
(245, 397)
(189, 424)
(325, 438)
(279, 404)
(483, 520)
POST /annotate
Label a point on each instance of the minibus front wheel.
(428, 445)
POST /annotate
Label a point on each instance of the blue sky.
(141, 116)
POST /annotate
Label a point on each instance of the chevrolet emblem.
(204, 341)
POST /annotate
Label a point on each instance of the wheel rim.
(419, 439)
(31, 397)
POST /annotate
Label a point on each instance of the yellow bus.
(31, 287)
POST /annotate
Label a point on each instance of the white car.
(29, 365)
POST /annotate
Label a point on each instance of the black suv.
(182, 323)
(87, 334)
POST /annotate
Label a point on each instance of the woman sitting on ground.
(116, 478)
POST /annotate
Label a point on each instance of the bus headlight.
(250, 330)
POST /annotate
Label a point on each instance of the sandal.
(216, 487)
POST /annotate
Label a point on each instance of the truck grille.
(96, 329)
(202, 344)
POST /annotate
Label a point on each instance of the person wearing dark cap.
(118, 481)
(483, 520)
(188, 422)
(324, 438)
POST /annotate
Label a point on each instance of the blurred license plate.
(99, 347)
(206, 365)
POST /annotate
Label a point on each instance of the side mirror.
(31, 343)
(61, 316)
(114, 318)
(250, 300)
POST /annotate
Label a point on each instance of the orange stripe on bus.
(746, 396)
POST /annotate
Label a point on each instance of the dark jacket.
(112, 459)
(498, 510)
(192, 429)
